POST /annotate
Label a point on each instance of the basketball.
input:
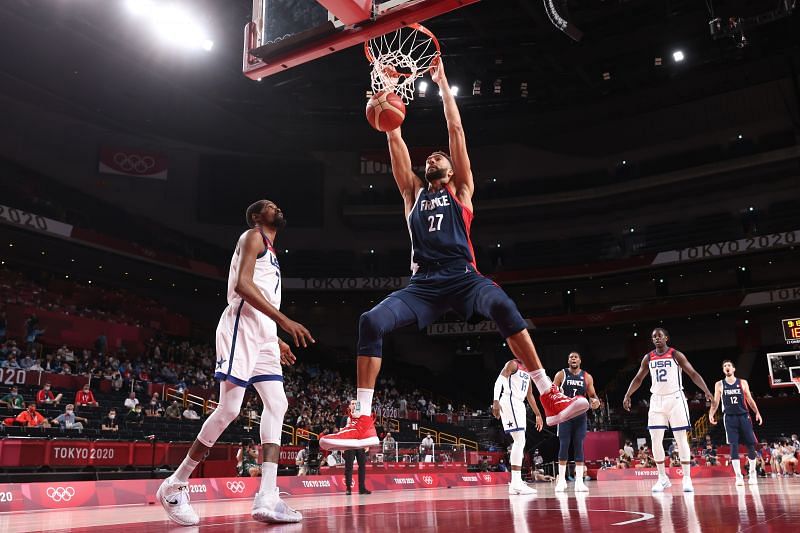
(385, 111)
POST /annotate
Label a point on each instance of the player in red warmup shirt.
(439, 213)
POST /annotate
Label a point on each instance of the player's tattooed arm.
(692, 373)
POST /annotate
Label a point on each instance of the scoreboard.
(791, 330)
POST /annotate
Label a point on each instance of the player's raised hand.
(626, 403)
(300, 334)
(437, 70)
(287, 357)
(496, 409)
(712, 419)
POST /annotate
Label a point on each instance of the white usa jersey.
(515, 386)
(266, 276)
(666, 374)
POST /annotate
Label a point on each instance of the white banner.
(725, 248)
(34, 222)
(791, 294)
(462, 328)
(345, 284)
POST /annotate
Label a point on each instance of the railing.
(289, 430)
(700, 428)
(467, 443)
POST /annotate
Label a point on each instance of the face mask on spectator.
(112, 416)
(69, 411)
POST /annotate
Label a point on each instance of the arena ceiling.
(90, 61)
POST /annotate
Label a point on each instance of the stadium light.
(678, 56)
(172, 23)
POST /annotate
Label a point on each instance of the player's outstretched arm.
(407, 181)
(462, 169)
(635, 384)
(250, 245)
(748, 397)
(593, 399)
(715, 402)
(692, 373)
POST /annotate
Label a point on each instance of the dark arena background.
(636, 166)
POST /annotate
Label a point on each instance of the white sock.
(185, 469)
(662, 470)
(364, 397)
(579, 471)
(752, 466)
(562, 472)
(269, 478)
(737, 467)
(516, 476)
(541, 380)
(687, 470)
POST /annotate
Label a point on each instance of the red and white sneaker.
(359, 433)
(559, 408)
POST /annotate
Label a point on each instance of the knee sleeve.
(564, 440)
(684, 452)
(230, 403)
(657, 438)
(518, 448)
(387, 316)
(275, 404)
(579, 435)
(495, 303)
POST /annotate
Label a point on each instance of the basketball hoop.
(398, 58)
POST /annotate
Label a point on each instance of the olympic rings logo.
(428, 480)
(134, 163)
(60, 494)
(487, 477)
(235, 486)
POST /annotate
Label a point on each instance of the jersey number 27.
(436, 222)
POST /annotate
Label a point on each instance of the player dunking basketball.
(248, 352)
(668, 407)
(736, 398)
(574, 381)
(439, 214)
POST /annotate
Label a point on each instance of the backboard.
(784, 369)
(285, 33)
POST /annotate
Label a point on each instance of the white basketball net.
(399, 58)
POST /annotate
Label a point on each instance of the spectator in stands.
(32, 331)
(131, 401)
(426, 447)
(32, 418)
(538, 460)
(190, 414)
(710, 454)
(389, 445)
(13, 400)
(46, 397)
(674, 458)
(11, 361)
(28, 360)
(788, 459)
(116, 380)
(173, 411)
(795, 442)
(134, 418)
(623, 460)
(501, 465)
(483, 466)
(154, 407)
(247, 459)
(301, 460)
(110, 421)
(606, 463)
(628, 448)
(85, 398)
(68, 420)
(403, 408)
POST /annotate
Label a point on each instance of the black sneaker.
(348, 492)
(364, 491)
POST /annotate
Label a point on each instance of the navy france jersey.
(733, 398)
(574, 385)
(439, 226)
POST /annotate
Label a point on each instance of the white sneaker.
(174, 498)
(753, 479)
(580, 486)
(661, 484)
(268, 507)
(739, 481)
(561, 484)
(520, 488)
(687, 485)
